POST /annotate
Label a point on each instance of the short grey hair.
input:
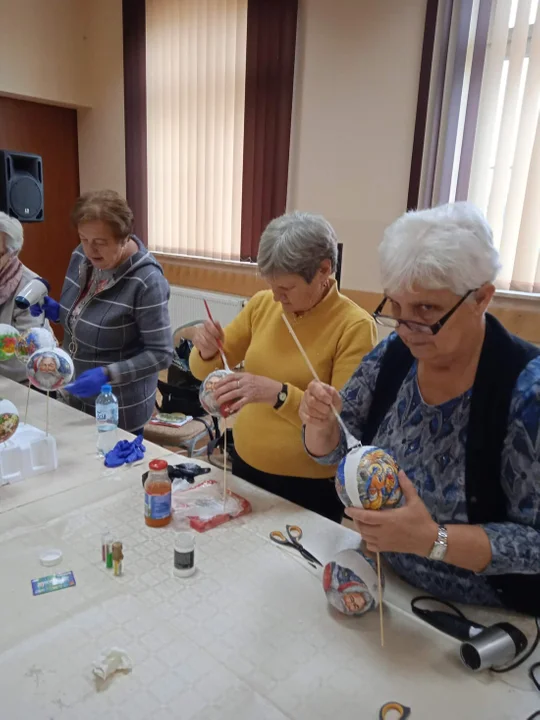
(12, 229)
(297, 243)
(449, 246)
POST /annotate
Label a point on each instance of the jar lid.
(48, 558)
(158, 465)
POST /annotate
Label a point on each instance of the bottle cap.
(158, 465)
(106, 388)
(48, 558)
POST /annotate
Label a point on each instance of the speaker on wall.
(21, 185)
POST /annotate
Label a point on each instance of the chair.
(194, 436)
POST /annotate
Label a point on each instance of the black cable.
(534, 715)
(432, 599)
(525, 656)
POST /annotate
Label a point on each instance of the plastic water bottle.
(106, 420)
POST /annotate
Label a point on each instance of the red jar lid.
(158, 465)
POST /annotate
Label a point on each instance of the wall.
(69, 52)
(102, 156)
(52, 133)
(358, 64)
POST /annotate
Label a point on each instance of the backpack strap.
(394, 368)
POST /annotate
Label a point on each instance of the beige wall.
(69, 52)
(101, 129)
(358, 64)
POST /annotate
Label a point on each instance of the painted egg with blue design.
(368, 477)
(37, 338)
(350, 583)
(8, 341)
(49, 369)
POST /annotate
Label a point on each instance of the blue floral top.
(428, 443)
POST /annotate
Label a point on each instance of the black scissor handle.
(403, 711)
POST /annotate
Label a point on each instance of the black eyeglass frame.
(434, 329)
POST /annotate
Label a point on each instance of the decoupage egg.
(37, 338)
(368, 477)
(49, 370)
(8, 341)
(350, 583)
(206, 394)
(9, 419)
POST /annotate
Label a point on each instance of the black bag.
(181, 391)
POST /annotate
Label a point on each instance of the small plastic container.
(184, 553)
(157, 495)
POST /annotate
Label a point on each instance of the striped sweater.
(124, 327)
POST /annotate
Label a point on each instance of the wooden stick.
(313, 371)
(220, 344)
(379, 583)
(27, 401)
(225, 467)
(47, 416)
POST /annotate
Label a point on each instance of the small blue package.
(50, 583)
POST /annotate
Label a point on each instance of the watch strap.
(282, 396)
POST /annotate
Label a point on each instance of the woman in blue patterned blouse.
(456, 400)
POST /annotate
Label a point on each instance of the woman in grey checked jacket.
(114, 309)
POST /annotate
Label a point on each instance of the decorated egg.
(368, 477)
(206, 394)
(49, 370)
(8, 341)
(9, 419)
(350, 583)
(37, 338)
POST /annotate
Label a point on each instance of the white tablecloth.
(249, 636)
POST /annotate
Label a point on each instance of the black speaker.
(21, 185)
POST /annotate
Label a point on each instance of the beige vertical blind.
(196, 71)
(505, 173)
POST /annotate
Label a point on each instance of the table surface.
(249, 637)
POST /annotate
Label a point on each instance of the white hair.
(13, 232)
(450, 246)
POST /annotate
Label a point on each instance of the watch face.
(438, 552)
(282, 397)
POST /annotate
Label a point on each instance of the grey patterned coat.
(125, 328)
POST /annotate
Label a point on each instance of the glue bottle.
(157, 495)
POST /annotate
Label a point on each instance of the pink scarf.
(10, 277)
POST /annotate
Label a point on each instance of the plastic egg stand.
(25, 450)
(30, 451)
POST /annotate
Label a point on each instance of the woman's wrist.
(321, 441)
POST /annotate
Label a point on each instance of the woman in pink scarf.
(13, 277)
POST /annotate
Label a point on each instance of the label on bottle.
(157, 507)
(184, 560)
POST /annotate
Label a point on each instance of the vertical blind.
(195, 94)
(505, 171)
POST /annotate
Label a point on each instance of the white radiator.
(186, 305)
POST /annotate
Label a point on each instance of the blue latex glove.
(49, 307)
(89, 383)
(125, 452)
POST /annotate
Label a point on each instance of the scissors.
(294, 535)
(403, 711)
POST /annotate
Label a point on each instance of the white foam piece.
(30, 451)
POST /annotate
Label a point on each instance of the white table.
(250, 636)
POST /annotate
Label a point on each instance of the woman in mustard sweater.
(297, 257)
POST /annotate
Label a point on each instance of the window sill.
(210, 263)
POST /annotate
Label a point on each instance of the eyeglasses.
(419, 327)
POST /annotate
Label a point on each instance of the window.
(209, 167)
(482, 128)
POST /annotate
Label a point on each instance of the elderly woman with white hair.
(13, 277)
(454, 398)
(297, 257)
